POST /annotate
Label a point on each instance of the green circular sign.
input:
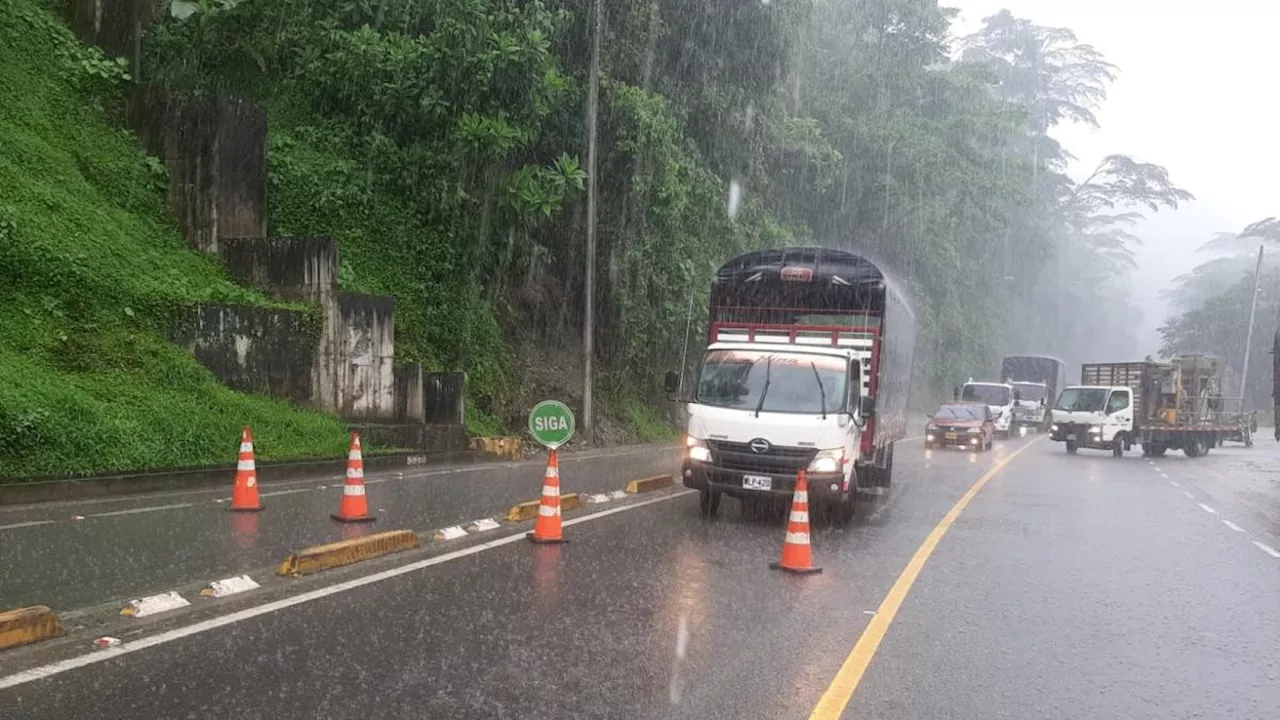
(551, 423)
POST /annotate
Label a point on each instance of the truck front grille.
(778, 460)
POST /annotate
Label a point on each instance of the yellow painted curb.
(27, 625)
(529, 510)
(323, 557)
(650, 484)
(507, 448)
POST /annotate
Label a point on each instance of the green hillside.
(91, 269)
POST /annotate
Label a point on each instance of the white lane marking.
(274, 493)
(1175, 483)
(1163, 475)
(1207, 509)
(1267, 549)
(31, 523)
(135, 511)
(1233, 526)
(98, 656)
(1189, 495)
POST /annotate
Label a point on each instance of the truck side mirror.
(1041, 402)
(672, 382)
(955, 393)
(1017, 396)
(866, 406)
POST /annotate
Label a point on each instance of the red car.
(961, 424)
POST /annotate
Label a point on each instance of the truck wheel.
(1117, 446)
(1071, 446)
(1192, 448)
(709, 503)
(842, 510)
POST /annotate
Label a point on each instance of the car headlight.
(1053, 427)
(827, 461)
(698, 450)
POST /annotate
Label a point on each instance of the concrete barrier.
(27, 625)
(650, 484)
(529, 510)
(324, 557)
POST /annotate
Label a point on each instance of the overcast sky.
(1194, 95)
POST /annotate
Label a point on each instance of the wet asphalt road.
(1071, 587)
(138, 545)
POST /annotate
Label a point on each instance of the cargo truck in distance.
(1036, 380)
(807, 367)
(1174, 405)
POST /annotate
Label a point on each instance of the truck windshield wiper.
(821, 390)
(768, 366)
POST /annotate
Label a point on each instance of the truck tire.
(709, 503)
(1071, 446)
(1192, 447)
(1117, 446)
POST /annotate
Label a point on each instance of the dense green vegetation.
(91, 269)
(443, 142)
(1211, 306)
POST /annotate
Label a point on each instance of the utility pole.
(589, 287)
(1248, 338)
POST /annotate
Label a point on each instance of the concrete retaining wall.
(259, 350)
(285, 268)
(354, 373)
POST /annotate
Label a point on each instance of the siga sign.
(551, 423)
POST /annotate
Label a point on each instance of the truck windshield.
(736, 379)
(1031, 392)
(1082, 400)
(989, 394)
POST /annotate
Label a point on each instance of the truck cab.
(1094, 416)
(997, 396)
(1030, 400)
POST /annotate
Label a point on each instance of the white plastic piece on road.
(75, 518)
(483, 524)
(598, 498)
(229, 586)
(618, 494)
(1267, 549)
(154, 604)
(105, 642)
(452, 532)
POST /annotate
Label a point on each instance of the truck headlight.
(827, 461)
(698, 450)
(1053, 427)
(1095, 430)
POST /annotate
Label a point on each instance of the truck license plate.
(757, 482)
(951, 436)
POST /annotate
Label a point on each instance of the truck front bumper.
(823, 487)
(1086, 436)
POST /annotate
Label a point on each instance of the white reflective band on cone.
(246, 447)
(353, 490)
(552, 472)
(798, 538)
(244, 465)
(546, 511)
(799, 516)
(355, 474)
(550, 491)
(800, 496)
(354, 455)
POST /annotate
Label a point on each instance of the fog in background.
(1192, 94)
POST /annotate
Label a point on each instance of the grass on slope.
(91, 271)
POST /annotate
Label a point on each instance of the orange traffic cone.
(245, 496)
(548, 528)
(355, 505)
(797, 556)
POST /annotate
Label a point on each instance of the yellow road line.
(833, 702)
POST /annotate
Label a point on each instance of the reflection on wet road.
(1071, 586)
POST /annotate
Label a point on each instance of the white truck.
(1161, 406)
(997, 396)
(808, 368)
